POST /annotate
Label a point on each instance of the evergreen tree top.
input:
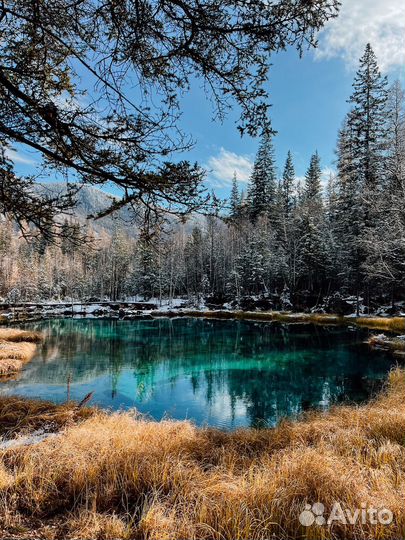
(289, 172)
(370, 87)
(263, 182)
(235, 197)
(313, 188)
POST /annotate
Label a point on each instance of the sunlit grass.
(393, 324)
(17, 335)
(20, 415)
(116, 475)
(16, 348)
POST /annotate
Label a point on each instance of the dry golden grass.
(10, 366)
(392, 324)
(117, 475)
(14, 355)
(16, 348)
(17, 335)
(90, 525)
(18, 351)
(19, 415)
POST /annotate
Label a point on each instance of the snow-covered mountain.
(91, 201)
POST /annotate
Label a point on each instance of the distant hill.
(91, 201)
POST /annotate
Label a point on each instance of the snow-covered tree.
(367, 122)
(288, 185)
(234, 199)
(263, 181)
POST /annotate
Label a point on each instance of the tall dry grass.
(19, 415)
(14, 355)
(18, 351)
(16, 348)
(121, 476)
(17, 335)
(390, 324)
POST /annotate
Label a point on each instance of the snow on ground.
(26, 440)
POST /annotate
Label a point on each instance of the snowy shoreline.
(133, 310)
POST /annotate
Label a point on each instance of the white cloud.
(18, 157)
(225, 163)
(378, 22)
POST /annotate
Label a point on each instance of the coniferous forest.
(334, 241)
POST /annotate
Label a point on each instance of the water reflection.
(223, 373)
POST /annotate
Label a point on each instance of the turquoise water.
(221, 373)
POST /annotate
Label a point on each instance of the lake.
(221, 373)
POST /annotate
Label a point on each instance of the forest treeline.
(293, 241)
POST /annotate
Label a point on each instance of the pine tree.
(367, 121)
(147, 276)
(312, 249)
(262, 188)
(331, 230)
(313, 187)
(235, 198)
(287, 185)
(194, 255)
(396, 139)
(384, 243)
(367, 136)
(251, 265)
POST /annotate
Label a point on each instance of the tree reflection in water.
(224, 373)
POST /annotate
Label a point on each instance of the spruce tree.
(312, 252)
(349, 211)
(313, 187)
(396, 139)
(235, 198)
(368, 137)
(367, 120)
(287, 185)
(148, 266)
(262, 188)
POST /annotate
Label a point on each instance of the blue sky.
(308, 100)
(308, 96)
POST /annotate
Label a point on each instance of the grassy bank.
(16, 348)
(389, 324)
(118, 476)
(20, 415)
(392, 324)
